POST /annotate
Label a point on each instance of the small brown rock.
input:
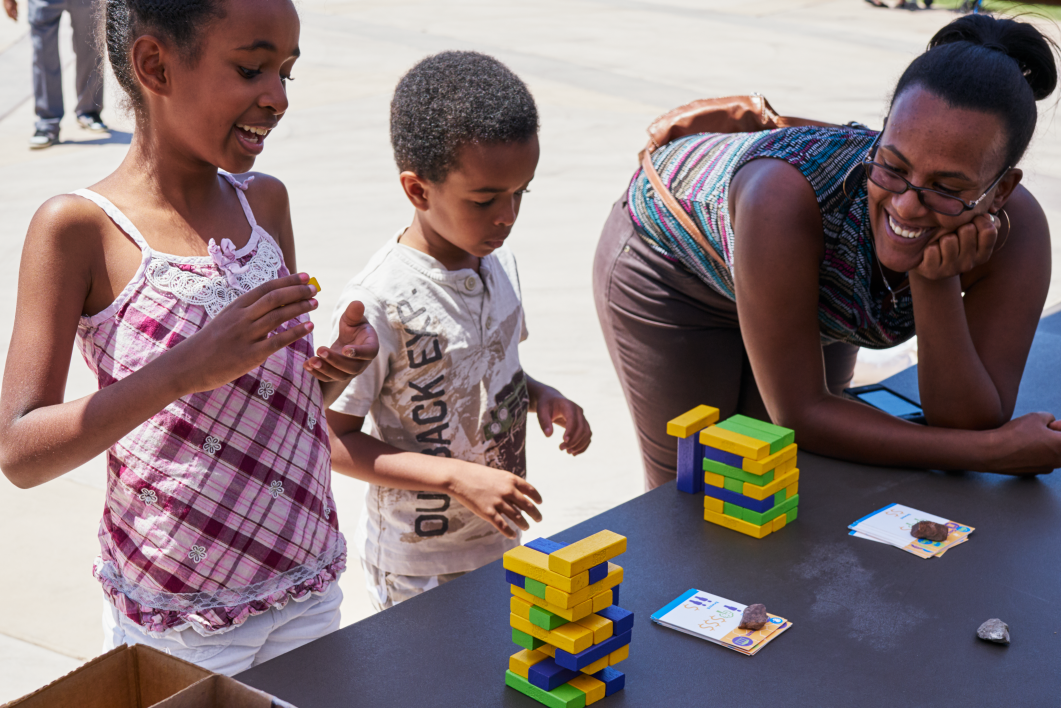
(930, 530)
(994, 630)
(754, 617)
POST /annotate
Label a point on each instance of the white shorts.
(257, 640)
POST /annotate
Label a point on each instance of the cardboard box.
(138, 676)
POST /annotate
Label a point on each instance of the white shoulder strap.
(116, 216)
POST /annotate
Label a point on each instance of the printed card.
(717, 620)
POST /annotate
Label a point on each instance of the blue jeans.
(43, 18)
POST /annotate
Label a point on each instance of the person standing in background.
(44, 16)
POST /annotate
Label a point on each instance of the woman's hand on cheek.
(952, 254)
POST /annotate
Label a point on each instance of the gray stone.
(754, 617)
(994, 630)
(930, 530)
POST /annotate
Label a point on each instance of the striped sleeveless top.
(698, 170)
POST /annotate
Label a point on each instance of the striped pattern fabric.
(219, 507)
(698, 170)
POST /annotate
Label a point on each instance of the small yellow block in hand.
(314, 283)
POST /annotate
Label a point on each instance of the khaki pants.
(676, 343)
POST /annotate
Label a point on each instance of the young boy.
(446, 460)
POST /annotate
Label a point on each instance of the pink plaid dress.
(219, 507)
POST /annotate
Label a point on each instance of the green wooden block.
(733, 485)
(534, 587)
(565, 696)
(760, 480)
(790, 516)
(778, 441)
(762, 425)
(525, 640)
(732, 510)
(754, 517)
(545, 619)
(780, 497)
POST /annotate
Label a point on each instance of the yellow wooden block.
(791, 490)
(760, 493)
(715, 505)
(583, 555)
(778, 523)
(770, 462)
(786, 466)
(560, 598)
(593, 688)
(314, 283)
(577, 612)
(738, 444)
(519, 607)
(521, 661)
(596, 666)
(738, 524)
(692, 421)
(602, 600)
(570, 637)
(602, 628)
(715, 480)
(548, 649)
(619, 655)
(534, 564)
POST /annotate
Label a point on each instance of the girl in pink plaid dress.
(219, 541)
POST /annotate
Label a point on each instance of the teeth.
(251, 129)
(903, 232)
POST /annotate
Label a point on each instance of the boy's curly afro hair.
(451, 99)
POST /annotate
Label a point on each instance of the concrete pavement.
(600, 70)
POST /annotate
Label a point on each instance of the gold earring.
(1008, 229)
(843, 185)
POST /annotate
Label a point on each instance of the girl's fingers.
(275, 293)
(272, 320)
(280, 340)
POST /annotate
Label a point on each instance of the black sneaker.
(92, 121)
(43, 138)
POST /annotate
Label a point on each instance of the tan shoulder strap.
(676, 210)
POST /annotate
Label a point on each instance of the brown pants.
(676, 343)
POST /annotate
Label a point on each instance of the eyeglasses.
(947, 204)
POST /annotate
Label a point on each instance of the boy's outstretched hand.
(552, 407)
(350, 354)
(494, 495)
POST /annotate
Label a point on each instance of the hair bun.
(1021, 41)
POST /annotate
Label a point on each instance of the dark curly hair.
(177, 22)
(451, 99)
(996, 65)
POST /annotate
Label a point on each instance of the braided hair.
(451, 99)
(995, 65)
(179, 23)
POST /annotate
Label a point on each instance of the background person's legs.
(89, 79)
(43, 16)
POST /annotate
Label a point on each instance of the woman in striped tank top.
(219, 541)
(833, 239)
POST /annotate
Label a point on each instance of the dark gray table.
(872, 625)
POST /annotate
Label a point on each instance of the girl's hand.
(1028, 445)
(495, 495)
(11, 8)
(959, 252)
(350, 354)
(552, 408)
(242, 336)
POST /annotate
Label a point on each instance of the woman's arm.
(490, 493)
(41, 437)
(776, 274)
(972, 349)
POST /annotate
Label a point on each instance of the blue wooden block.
(515, 579)
(548, 675)
(739, 499)
(615, 594)
(690, 465)
(622, 620)
(726, 458)
(613, 679)
(598, 573)
(596, 652)
(544, 545)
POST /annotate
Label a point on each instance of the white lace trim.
(191, 602)
(214, 292)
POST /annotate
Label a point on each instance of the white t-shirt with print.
(447, 381)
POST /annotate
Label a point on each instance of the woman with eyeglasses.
(831, 239)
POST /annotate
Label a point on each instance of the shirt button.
(469, 282)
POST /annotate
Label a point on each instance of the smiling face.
(220, 108)
(471, 212)
(936, 146)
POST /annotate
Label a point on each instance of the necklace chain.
(880, 267)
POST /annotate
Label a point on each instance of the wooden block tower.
(566, 616)
(747, 469)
